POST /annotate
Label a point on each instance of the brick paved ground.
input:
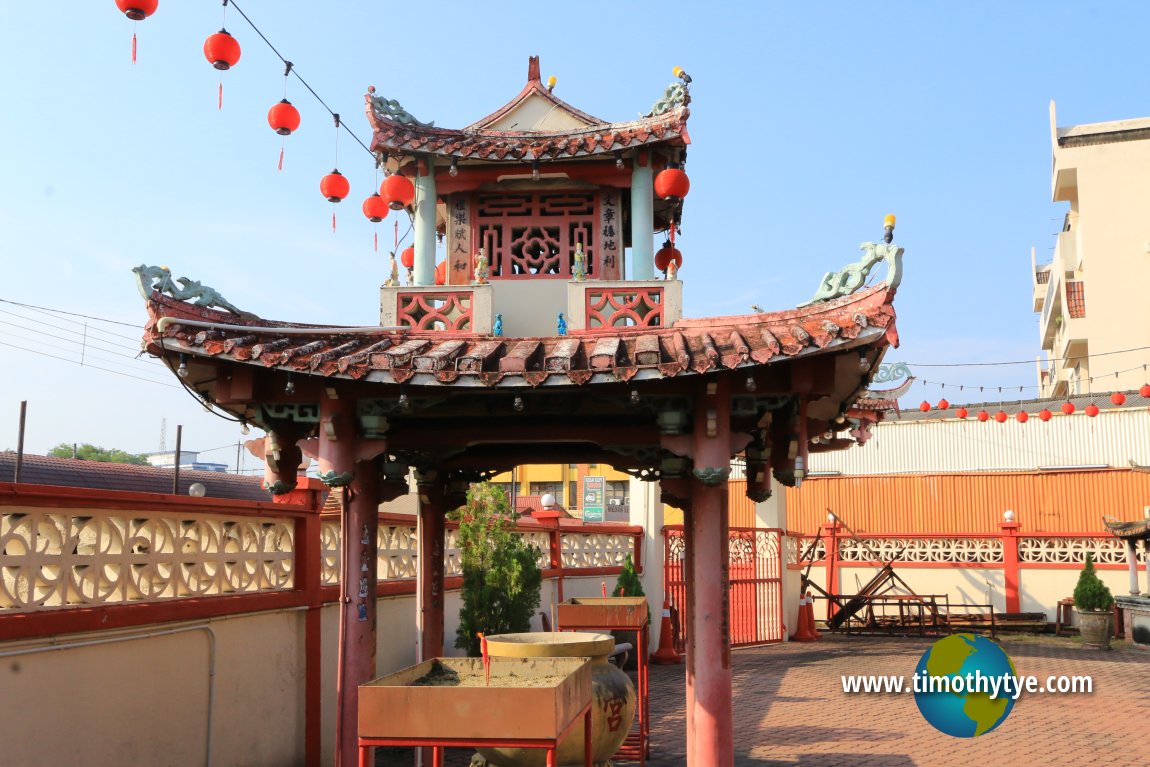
(790, 710)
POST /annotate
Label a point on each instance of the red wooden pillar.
(340, 467)
(1010, 574)
(709, 650)
(433, 508)
(308, 574)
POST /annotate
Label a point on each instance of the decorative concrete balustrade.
(111, 549)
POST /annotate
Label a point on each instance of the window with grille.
(534, 234)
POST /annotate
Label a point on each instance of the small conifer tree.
(501, 576)
(629, 584)
(1091, 593)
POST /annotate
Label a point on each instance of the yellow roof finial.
(551, 83)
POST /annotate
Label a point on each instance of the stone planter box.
(510, 709)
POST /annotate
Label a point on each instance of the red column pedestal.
(1010, 566)
(709, 653)
(831, 536)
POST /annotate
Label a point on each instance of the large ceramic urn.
(612, 695)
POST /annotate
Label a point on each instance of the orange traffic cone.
(805, 622)
(811, 617)
(666, 654)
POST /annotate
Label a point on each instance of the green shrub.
(501, 576)
(629, 584)
(1091, 593)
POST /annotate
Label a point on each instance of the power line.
(73, 314)
(84, 342)
(94, 367)
(1019, 362)
(291, 68)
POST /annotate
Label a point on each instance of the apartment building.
(1095, 320)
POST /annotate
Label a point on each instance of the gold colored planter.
(613, 695)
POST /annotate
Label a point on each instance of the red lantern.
(1118, 398)
(943, 404)
(1000, 416)
(334, 186)
(375, 208)
(283, 117)
(407, 257)
(1091, 410)
(962, 412)
(672, 183)
(665, 255)
(924, 407)
(222, 50)
(398, 191)
(1022, 417)
(1045, 414)
(983, 416)
(1068, 408)
(441, 273)
(137, 10)
(1145, 390)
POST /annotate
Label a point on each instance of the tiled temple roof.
(462, 359)
(477, 141)
(601, 138)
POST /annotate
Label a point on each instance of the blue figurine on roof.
(562, 325)
(498, 325)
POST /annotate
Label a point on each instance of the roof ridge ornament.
(852, 277)
(390, 109)
(159, 278)
(674, 96)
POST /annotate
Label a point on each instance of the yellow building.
(1091, 295)
(526, 484)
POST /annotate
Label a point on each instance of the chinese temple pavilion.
(551, 337)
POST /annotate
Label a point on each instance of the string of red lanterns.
(1068, 408)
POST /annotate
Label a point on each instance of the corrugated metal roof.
(930, 442)
(73, 472)
(1043, 501)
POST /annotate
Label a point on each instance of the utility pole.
(20, 441)
(176, 473)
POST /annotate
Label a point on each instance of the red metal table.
(599, 614)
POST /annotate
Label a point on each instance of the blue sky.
(809, 123)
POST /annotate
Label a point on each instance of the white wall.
(145, 701)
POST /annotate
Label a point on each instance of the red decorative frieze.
(449, 310)
(624, 307)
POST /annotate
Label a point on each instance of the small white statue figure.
(481, 269)
(672, 270)
(579, 269)
(393, 275)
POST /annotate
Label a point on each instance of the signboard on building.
(593, 498)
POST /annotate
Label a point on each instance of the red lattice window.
(1076, 299)
(624, 307)
(534, 234)
(435, 311)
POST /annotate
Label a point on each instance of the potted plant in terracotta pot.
(1094, 604)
